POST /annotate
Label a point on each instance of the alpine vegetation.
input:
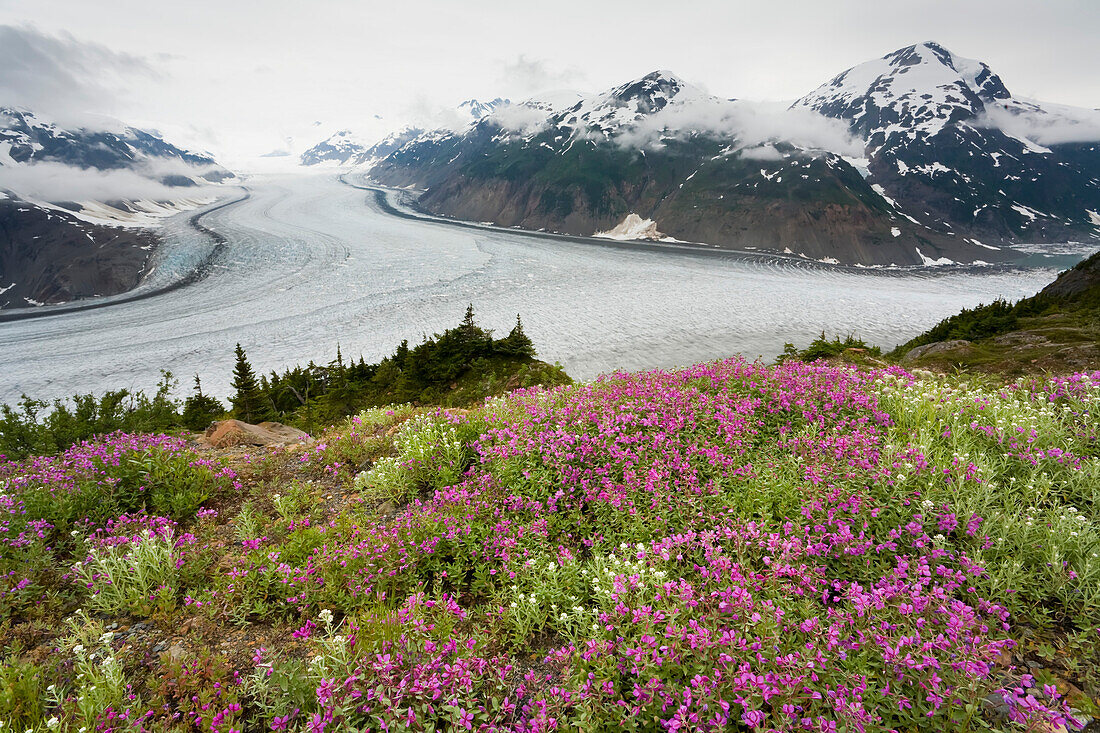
(729, 546)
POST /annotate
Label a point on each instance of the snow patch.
(1093, 217)
(982, 244)
(863, 165)
(895, 231)
(633, 227)
(929, 262)
(1026, 211)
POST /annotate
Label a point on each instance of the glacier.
(308, 263)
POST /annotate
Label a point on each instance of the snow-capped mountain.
(348, 148)
(475, 109)
(340, 148)
(626, 106)
(660, 150)
(921, 157)
(952, 147)
(77, 204)
(916, 90)
(27, 138)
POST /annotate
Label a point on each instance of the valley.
(308, 263)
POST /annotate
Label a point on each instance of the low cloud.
(58, 182)
(524, 76)
(1051, 125)
(520, 119)
(427, 115)
(69, 80)
(762, 152)
(749, 125)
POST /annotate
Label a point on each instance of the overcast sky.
(239, 77)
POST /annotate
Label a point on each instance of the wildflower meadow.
(729, 546)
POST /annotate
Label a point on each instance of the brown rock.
(229, 433)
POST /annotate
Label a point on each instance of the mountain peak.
(922, 88)
(477, 109)
(627, 104)
(651, 92)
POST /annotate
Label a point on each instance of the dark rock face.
(48, 256)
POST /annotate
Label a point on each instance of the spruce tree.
(248, 401)
(516, 343)
(200, 410)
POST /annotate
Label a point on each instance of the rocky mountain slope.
(78, 205)
(918, 158)
(952, 146)
(48, 255)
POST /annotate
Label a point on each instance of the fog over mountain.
(237, 81)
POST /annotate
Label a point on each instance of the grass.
(724, 547)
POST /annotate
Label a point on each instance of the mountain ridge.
(922, 177)
(79, 205)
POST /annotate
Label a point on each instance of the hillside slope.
(1056, 330)
(49, 256)
(725, 547)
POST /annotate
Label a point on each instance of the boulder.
(228, 433)
(939, 347)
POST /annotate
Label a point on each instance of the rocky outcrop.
(1076, 281)
(939, 347)
(230, 433)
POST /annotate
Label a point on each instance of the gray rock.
(1021, 338)
(996, 707)
(939, 347)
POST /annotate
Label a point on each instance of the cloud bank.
(520, 119)
(55, 182)
(1050, 125)
(68, 80)
(525, 75)
(747, 124)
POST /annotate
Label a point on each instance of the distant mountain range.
(76, 204)
(346, 147)
(920, 157)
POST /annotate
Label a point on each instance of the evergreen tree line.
(316, 395)
(310, 397)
